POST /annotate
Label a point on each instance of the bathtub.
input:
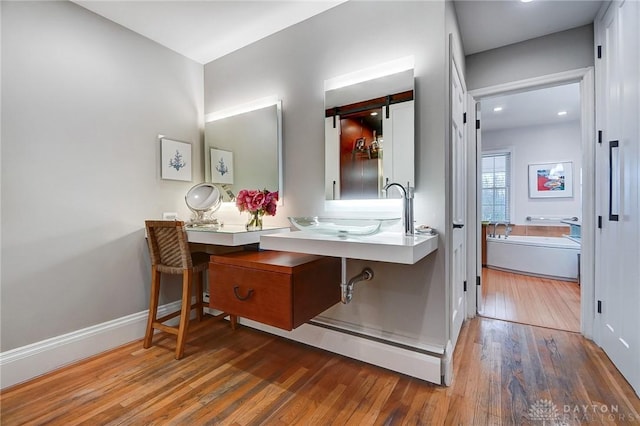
(553, 257)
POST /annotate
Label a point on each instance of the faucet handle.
(410, 191)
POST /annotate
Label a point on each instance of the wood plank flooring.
(531, 300)
(503, 372)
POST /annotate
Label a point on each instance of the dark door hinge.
(599, 51)
(599, 306)
(477, 124)
(465, 286)
(599, 136)
(464, 118)
(599, 222)
(478, 282)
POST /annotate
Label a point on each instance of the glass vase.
(255, 221)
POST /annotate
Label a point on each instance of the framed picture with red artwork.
(550, 180)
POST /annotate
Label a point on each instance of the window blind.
(496, 186)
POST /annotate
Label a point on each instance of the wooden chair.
(170, 254)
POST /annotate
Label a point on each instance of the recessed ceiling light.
(526, 1)
(374, 113)
(497, 109)
(562, 112)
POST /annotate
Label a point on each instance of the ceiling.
(486, 24)
(208, 29)
(204, 30)
(535, 107)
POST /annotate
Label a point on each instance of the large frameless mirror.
(369, 134)
(243, 148)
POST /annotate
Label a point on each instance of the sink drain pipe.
(347, 287)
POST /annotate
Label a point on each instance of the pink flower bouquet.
(257, 203)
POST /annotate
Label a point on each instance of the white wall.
(562, 51)
(406, 301)
(539, 144)
(83, 101)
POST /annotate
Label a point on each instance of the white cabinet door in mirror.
(397, 159)
(332, 161)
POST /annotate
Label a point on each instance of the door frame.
(585, 77)
(451, 336)
(455, 68)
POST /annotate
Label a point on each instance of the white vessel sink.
(341, 226)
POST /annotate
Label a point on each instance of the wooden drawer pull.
(236, 291)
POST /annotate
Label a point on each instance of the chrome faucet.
(492, 234)
(407, 206)
(506, 227)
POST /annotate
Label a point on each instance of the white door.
(618, 204)
(459, 195)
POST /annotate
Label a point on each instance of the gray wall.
(406, 301)
(563, 51)
(83, 101)
(82, 108)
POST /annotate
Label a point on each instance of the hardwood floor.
(531, 300)
(502, 371)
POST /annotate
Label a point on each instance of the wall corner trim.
(447, 365)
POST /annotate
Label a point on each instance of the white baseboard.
(412, 363)
(24, 363)
(30, 361)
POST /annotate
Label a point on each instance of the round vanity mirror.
(202, 199)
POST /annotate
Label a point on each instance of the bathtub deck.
(531, 300)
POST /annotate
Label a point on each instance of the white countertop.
(230, 235)
(391, 247)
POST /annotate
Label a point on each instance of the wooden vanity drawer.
(277, 288)
(251, 293)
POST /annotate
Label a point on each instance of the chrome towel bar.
(552, 219)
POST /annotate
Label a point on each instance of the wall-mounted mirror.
(369, 136)
(243, 148)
